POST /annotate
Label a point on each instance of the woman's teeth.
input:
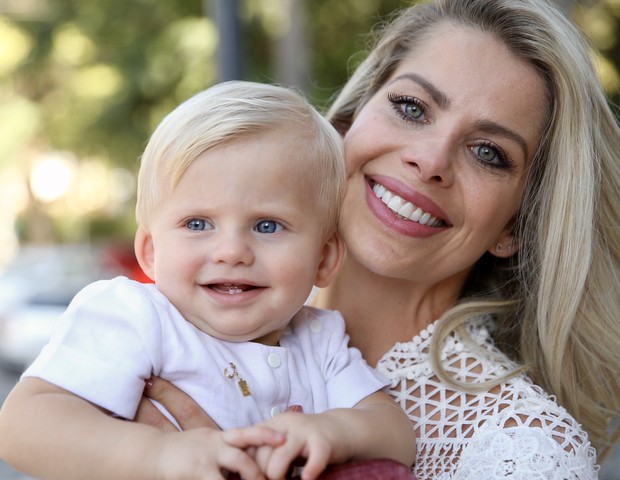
(404, 209)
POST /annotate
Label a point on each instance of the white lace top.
(513, 431)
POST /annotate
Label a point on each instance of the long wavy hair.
(557, 301)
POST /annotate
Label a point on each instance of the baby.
(238, 198)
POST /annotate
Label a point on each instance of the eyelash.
(505, 162)
(398, 102)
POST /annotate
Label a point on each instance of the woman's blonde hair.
(557, 302)
(236, 110)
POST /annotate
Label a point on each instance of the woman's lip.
(410, 195)
(391, 220)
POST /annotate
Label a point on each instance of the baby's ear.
(331, 260)
(145, 252)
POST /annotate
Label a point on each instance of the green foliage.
(94, 77)
(102, 73)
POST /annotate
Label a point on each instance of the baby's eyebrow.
(437, 95)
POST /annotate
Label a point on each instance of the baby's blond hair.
(231, 111)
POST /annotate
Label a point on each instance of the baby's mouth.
(406, 210)
(230, 288)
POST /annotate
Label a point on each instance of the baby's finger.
(261, 457)
(317, 461)
(280, 459)
(235, 460)
(254, 436)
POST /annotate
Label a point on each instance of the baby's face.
(238, 242)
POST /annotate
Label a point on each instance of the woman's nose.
(232, 248)
(432, 161)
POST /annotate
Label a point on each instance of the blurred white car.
(35, 290)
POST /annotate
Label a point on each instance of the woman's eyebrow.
(443, 102)
(497, 129)
(437, 95)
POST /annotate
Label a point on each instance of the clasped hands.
(259, 452)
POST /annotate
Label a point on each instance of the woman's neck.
(381, 311)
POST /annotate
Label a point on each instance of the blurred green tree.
(94, 77)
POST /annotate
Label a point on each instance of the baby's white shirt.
(117, 333)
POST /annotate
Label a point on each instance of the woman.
(481, 223)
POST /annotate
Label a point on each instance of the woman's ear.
(506, 245)
(331, 260)
(145, 252)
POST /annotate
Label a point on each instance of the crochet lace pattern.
(513, 431)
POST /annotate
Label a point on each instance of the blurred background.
(84, 82)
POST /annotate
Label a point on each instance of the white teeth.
(395, 203)
(406, 210)
(415, 216)
(403, 208)
(379, 190)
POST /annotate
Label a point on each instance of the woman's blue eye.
(490, 155)
(487, 153)
(411, 109)
(268, 226)
(197, 224)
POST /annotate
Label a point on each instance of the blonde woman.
(483, 249)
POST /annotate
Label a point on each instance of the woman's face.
(446, 143)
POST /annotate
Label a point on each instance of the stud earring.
(499, 248)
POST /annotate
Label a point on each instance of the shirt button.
(315, 326)
(274, 360)
(274, 411)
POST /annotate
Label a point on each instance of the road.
(610, 471)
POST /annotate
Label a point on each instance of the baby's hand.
(206, 453)
(312, 437)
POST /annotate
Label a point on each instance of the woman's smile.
(403, 209)
(406, 210)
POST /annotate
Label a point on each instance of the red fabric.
(375, 469)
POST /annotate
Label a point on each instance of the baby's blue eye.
(268, 226)
(197, 224)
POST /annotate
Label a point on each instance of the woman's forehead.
(467, 69)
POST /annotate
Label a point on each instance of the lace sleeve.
(523, 453)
